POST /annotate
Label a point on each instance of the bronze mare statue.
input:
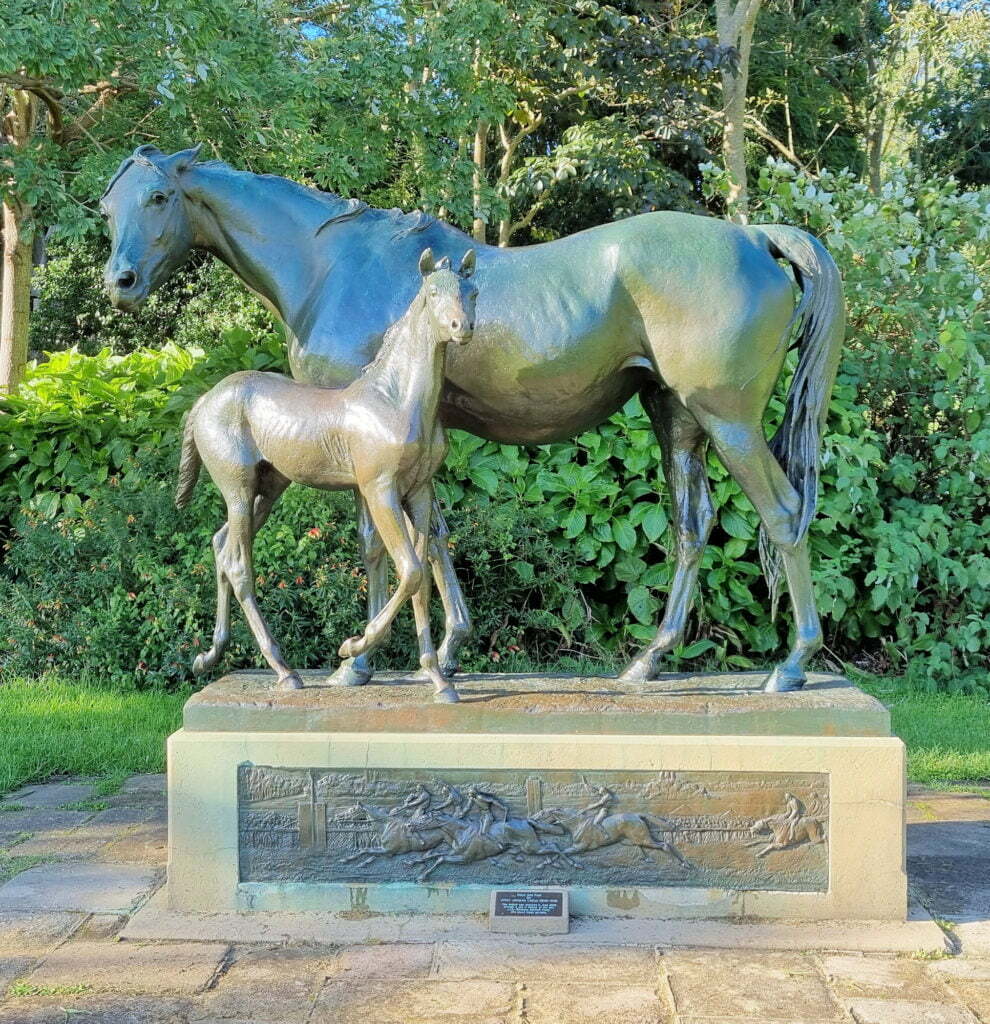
(257, 432)
(694, 313)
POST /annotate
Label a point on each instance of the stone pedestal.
(694, 796)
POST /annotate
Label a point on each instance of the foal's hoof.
(200, 665)
(290, 682)
(639, 670)
(782, 681)
(448, 695)
(348, 675)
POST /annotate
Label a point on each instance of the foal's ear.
(467, 264)
(183, 160)
(426, 263)
(443, 263)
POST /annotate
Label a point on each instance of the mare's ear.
(426, 263)
(184, 159)
(467, 264)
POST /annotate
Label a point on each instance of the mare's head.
(449, 296)
(150, 230)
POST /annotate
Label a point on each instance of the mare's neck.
(409, 367)
(264, 228)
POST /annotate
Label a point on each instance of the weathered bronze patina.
(258, 432)
(694, 313)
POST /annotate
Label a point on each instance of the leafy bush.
(563, 548)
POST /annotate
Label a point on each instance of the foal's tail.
(189, 462)
(822, 315)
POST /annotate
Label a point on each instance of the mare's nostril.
(455, 325)
(127, 279)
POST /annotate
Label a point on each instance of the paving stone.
(871, 977)
(276, 985)
(64, 845)
(905, 1011)
(975, 995)
(27, 932)
(177, 968)
(145, 784)
(53, 794)
(97, 927)
(12, 967)
(509, 959)
(123, 816)
(594, 1003)
(381, 961)
(92, 1009)
(960, 968)
(416, 1002)
(15, 824)
(771, 986)
(96, 888)
(936, 805)
(145, 844)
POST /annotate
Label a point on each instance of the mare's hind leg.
(743, 449)
(682, 447)
(238, 565)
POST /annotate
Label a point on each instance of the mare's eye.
(159, 198)
(433, 291)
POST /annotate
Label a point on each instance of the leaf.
(624, 534)
(655, 522)
(574, 523)
(734, 525)
(642, 604)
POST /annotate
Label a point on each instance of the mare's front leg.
(358, 671)
(386, 512)
(420, 505)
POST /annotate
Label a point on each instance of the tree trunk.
(15, 298)
(735, 28)
(15, 291)
(480, 159)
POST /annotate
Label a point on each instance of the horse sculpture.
(256, 432)
(693, 313)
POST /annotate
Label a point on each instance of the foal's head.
(449, 297)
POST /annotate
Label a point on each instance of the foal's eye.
(159, 198)
(433, 291)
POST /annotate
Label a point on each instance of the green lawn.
(56, 727)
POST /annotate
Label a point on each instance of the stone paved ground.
(85, 864)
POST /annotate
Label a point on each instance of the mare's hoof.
(290, 682)
(639, 670)
(351, 647)
(781, 681)
(347, 675)
(199, 665)
(448, 695)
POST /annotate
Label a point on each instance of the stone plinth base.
(690, 797)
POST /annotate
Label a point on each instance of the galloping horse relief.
(694, 314)
(258, 432)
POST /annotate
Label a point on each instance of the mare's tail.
(822, 315)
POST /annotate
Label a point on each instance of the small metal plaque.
(528, 911)
(525, 903)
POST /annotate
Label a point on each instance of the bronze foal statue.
(258, 432)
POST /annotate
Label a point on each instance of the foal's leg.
(682, 447)
(457, 619)
(420, 505)
(743, 449)
(358, 671)
(390, 521)
(273, 485)
(239, 569)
